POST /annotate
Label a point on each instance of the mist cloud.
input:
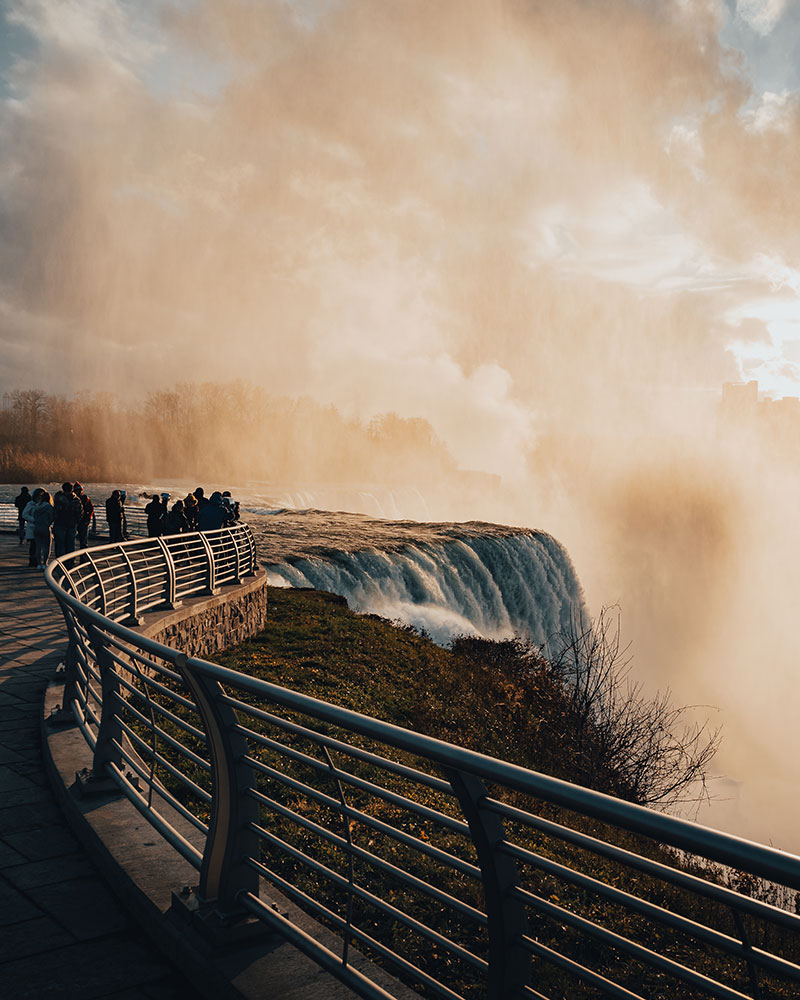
(457, 188)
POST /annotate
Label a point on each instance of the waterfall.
(494, 585)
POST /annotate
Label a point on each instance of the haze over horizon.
(550, 230)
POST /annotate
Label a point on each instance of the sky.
(494, 214)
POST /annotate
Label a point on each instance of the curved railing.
(135, 519)
(464, 875)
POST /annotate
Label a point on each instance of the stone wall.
(203, 626)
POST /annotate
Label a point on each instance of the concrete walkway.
(62, 934)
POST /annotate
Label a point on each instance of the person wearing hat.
(190, 511)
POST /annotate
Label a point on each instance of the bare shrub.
(652, 748)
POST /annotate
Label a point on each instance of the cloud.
(444, 189)
(774, 111)
(761, 15)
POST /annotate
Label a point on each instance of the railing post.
(110, 733)
(133, 617)
(172, 577)
(509, 963)
(212, 569)
(251, 547)
(100, 582)
(224, 872)
(235, 540)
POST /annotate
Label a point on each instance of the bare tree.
(657, 754)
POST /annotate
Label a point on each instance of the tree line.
(232, 432)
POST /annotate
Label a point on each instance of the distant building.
(771, 423)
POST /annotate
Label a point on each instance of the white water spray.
(496, 586)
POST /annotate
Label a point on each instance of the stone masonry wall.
(204, 626)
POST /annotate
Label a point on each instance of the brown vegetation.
(233, 431)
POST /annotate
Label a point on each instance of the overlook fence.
(135, 517)
(464, 875)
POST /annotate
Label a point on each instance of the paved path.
(62, 935)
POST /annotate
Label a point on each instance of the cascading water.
(450, 580)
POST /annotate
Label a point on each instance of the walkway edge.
(143, 870)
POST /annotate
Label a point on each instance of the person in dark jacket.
(21, 502)
(213, 514)
(87, 513)
(175, 522)
(67, 512)
(123, 495)
(114, 516)
(156, 512)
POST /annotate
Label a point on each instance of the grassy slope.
(493, 697)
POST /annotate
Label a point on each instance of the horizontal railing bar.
(667, 917)
(718, 893)
(280, 922)
(368, 786)
(187, 727)
(162, 791)
(82, 696)
(643, 954)
(322, 766)
(375, 901)
(147, 750)
(146, 661)
(606, 986)
(187, 851)
(421, 846)
(170, 740)
(374, 861)
(420, 777)
(78, 711)
(528, 991)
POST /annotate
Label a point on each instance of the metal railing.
(135, 518)
(465, 876)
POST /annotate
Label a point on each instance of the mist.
(547, 233)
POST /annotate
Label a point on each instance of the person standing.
(156, 512)
(190, 510)
(67, 512)
(114, 516)
(123, 494)
(43, 515)
(87, 513)
(21, 502)
(213, 514)
(175, 522)
(30, 529)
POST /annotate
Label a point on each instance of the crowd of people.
(196, 512)
(63, 521)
